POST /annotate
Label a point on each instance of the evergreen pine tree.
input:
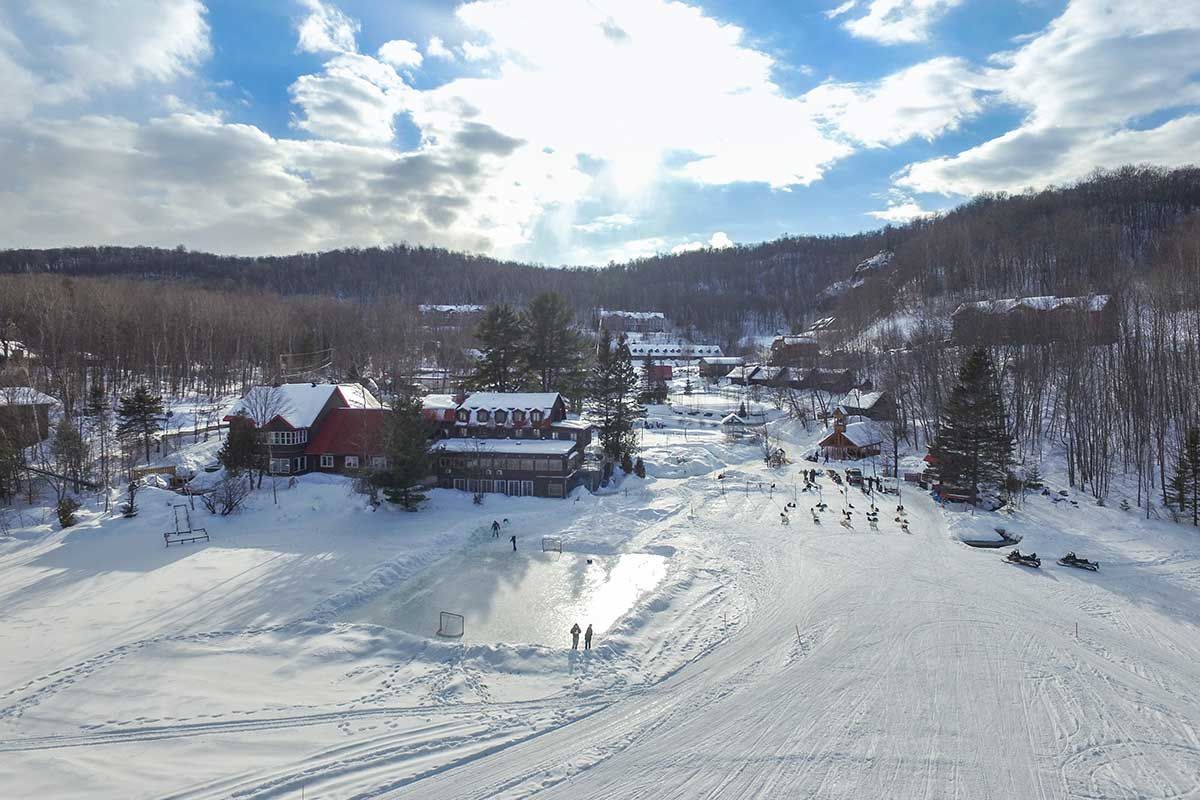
(140, 416)
(973, 447)
(96, 402)
(552, 352)
(1185, 483)
(406, 445)
(240, 450)
(502, 366)
(612, 397)
(741, 412)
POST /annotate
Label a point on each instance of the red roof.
(349, 432)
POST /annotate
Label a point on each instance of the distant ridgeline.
(1084, 239)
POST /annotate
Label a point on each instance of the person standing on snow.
(495, 529)
(513, 539)
(575, 636)
(587, 637)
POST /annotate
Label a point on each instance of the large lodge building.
(489, 442)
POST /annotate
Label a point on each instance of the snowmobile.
(1071, 560)
(1029, 560)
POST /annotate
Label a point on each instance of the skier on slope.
(513, 539)
(495, 529)
(575, 636)
(587, 637)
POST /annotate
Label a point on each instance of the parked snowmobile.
(1071, 560)
(1027, 560)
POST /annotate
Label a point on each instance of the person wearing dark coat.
(575, 636)
(587, 637)
(495, 529)
(513, 539)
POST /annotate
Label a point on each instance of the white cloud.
(898, 21)
(1085, 83)
(476, 52)
(76, 48)
(609, 222)
(718, 241)
(400, 53)
(836, 12)
(355, 99)
(325, 29)
(901, 211)
(925, 101)
(437, 49)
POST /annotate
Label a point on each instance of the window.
(462, 415)
(443, 462)
(535, 417)
(301, 464)
(554, 489)
(281, 466)
(501, 417)
(288, 437)
(326, 462)
(513, 463)
(379, 462)
(483, 415)
(351, 462)
(527, 464)
(554, 465)
(518, 417)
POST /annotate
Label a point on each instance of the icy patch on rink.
(523, 597)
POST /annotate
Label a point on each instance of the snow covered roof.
(672, 349)
(450, 309)
(299, 404)
(732, 419)
(438, 402)
(857, 399)
(863, 433)
(540, 447)
(575, 424)
(793, 339)
(24, 396)
(1094, 302)
(605, 313)
(724, 360)
(526, 401)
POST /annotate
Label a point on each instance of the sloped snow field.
(288, 657)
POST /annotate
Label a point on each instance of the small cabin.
(852, 440)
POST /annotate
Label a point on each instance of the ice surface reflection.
(521, 597)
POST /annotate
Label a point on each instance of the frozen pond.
(522, 597)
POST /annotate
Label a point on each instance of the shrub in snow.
(66, 509)
(626, 463)
(639, 468)
(227, 496)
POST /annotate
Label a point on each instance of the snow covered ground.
(738, 657)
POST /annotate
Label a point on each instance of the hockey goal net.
(451, 624)
(551, 544)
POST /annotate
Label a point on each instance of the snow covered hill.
(755, 659)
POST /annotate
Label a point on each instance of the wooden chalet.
(24, 415)
(872, 405)
(514, 443)
(290, 439)
(794, 350)
(1036, 320)
(718, 366)
(852, 439)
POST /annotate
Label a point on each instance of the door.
(514, 488)
(526, 488)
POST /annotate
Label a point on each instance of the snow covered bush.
(65, 510)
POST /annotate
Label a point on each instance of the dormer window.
(518, 417)
(483, 415)
(463, 415)
(501, 417)
(535, 417)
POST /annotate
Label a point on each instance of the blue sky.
(574, 131)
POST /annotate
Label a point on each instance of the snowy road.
(773, 661)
